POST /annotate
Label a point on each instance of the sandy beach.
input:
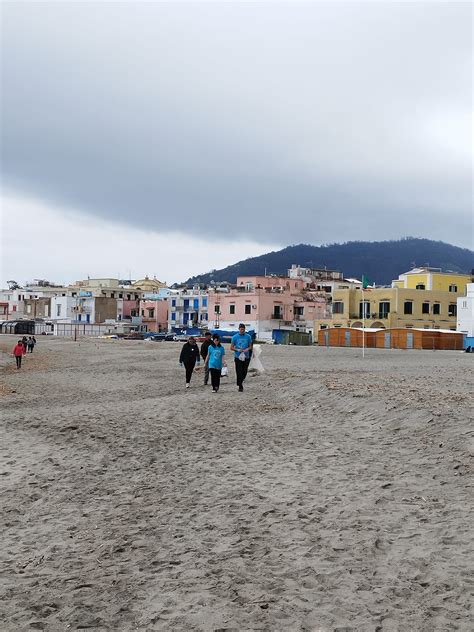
(334, 494)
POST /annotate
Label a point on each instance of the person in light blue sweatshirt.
(242, 347)
(215, 360)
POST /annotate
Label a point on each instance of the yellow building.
(433, 279)
(149, 285)
(392, 307)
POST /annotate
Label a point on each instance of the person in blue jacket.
(241, 345)
(215, 360)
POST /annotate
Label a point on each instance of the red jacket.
(19, 350)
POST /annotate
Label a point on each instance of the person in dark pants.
(215, 361)
(241, 345)
(19, 352)
(189, 357)
(204, 348)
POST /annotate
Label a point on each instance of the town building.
(188, 307)
(434, 279)
(383, 308)
(465, 315)
(266, 303)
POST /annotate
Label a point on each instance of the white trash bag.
(224, 371)
(255, 363)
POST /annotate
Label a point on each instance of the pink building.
(265, 303)
(154, 313)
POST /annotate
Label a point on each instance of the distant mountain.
(380, 261)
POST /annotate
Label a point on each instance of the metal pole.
(363, 321)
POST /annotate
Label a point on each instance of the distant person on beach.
(31, 343)
(19, 352)
(189, 357)
(215, 361)
(24, 342)
(204, 349)
(241, 345)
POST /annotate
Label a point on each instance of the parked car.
(157, 337)
(134, 335)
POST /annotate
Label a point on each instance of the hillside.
(380, 261)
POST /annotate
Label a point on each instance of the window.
(129, 297)
(408, 307)
(173, 302)
(112, 294)
(204, 301)
(425, 308)
(452, 309)
(299, 311)
(186, 303)
(420, 286)
(277, 311)
(248, 309)
(338, 307)
(231, 309)
(453, 288)
(217, 309)
(28, 309)
(464, 304)
(151, 313)
(58, 310)
(384, 309)
(173, 316)
(120, 295)
(196, 303)
(436, 309)
(364, 309)
(143, 312)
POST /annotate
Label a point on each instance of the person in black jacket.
(189, 356)
(204, 348)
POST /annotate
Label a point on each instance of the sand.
(334, 494)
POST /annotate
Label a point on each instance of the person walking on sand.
(189, 357)
(241, 345)
(204, 350)
(19, 352)
(215, 361)
(31, 344)
(24, 342)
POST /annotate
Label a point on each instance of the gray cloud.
(306, 122)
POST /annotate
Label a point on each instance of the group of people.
(21, 348)
(212, 352)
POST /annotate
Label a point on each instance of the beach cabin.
(403, 338)
(346, 337)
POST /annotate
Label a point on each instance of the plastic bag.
(224, 371)
(255, 363)
(242, 356)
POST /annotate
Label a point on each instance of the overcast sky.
(173, 138)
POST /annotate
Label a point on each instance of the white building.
(465, 312)
(188, 308)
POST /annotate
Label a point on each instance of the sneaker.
(214, 390)
(187, 385)
(241, 389)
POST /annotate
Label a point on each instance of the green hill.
(380, 261)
